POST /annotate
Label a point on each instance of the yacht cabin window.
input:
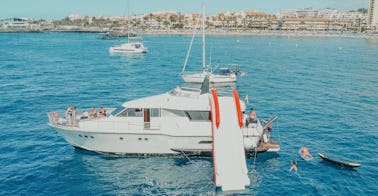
(155, 112)
(117, 111)
(131, 112)
(198, 115)
(224, 71)
(173, 113)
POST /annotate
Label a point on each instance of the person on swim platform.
(252, 116)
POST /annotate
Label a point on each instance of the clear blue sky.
(59, 9)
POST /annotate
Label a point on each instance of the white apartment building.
(328, 13)
(373, 13)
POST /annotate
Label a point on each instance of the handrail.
(57, 118)
(60, 118)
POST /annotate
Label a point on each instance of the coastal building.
(2, 23)
(287, 13)
(18, 24)
(75, 16)
(328, 13)
(373, 13)
(307, 13)
(308, 24)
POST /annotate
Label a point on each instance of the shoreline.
(331, 34)
(275, 33)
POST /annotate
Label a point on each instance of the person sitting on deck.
(93, 113)
(102, 112)
(84, 115)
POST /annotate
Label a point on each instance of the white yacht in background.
(216, 75)
(129, 47)
(133, 45)
(170, 124)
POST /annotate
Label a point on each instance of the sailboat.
(133, 45)
(226, 74)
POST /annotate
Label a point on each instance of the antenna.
(128, 21)
(211, 53)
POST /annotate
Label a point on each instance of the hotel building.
(373, 13)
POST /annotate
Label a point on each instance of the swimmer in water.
(294, 166)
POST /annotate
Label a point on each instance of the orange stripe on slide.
(238, 109)
(216, 105)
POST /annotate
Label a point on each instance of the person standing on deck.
(252, 115)
(68, 114)
(74, 115)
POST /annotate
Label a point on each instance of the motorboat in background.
(133, 45)
(118, 32)
(136, 46)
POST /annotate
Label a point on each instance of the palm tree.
(159, 20)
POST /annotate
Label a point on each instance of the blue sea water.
(324, 90)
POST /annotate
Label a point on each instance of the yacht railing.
(58, 118)
(185, 88)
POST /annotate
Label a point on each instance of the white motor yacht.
(129, 47)
(133, 45)
(168, 124)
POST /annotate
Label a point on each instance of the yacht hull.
(133, 143)
(147, 144)
(120, 50)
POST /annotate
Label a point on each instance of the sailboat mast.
(128, 21)
(203, 39)
(190, 45)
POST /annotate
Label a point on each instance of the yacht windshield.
(224, 71)
(117, 111)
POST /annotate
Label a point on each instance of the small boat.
(307, 158)
(134, 44)
(340, 161)
(117, 32)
